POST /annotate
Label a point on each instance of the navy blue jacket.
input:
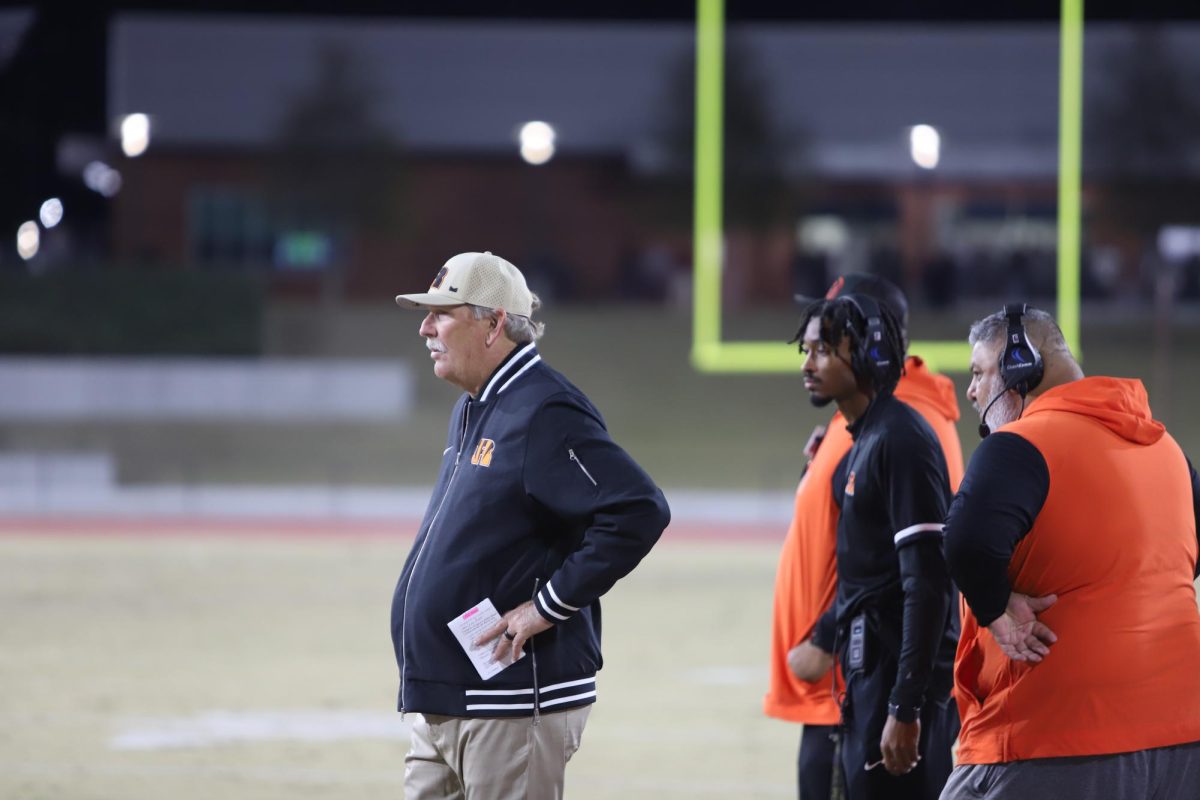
(534, 500)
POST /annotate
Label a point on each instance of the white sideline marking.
(214, 728)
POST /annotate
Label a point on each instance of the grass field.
(252, 666)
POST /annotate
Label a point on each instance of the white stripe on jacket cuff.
(549, 607)
(554, 596)
(913, 530)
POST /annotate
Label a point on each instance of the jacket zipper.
(575, 458)
(537, 699)
(429, 532)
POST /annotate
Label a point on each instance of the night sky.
(55, 82)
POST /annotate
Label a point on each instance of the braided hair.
(843, 317)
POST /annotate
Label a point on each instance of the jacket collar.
(856, 428)
(511, 368)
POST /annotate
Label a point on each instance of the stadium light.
(51, 213)
(925, 146)
(537, 142)
(135, 134)
(29, 239)
(101, 178)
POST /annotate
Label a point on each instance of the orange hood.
(1119, 404)
(918, 383)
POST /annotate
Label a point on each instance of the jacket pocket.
(588, 475)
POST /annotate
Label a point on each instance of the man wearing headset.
(800, 688)
(1073, 541)
(894, 620)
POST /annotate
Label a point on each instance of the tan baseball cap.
(481, 279)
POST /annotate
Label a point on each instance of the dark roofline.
(923, 11)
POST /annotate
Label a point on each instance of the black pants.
(863, 716)
(818, 761)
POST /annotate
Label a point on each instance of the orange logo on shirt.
(850, 484)
(483, 453)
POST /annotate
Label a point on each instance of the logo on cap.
(441, 276)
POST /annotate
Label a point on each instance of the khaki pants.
(460, 758)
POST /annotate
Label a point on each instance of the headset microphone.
(984, 430)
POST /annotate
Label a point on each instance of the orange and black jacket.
(534, 501)
(1089, 498)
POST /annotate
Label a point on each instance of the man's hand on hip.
(513, 630)
(1020, 636)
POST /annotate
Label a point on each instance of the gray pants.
(1164, 773)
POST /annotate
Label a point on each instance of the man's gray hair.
(518, 329)
(1041, 328)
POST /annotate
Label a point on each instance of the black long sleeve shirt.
(893, 489)
(1001, 494)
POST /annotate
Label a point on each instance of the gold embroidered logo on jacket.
(483, 453)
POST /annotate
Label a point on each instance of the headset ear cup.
(864, 363)
(860, 354)
(1021, 365)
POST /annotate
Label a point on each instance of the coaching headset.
(872, 356)
(1021, 366)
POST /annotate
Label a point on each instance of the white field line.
(214, 728)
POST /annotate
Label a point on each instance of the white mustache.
(435, 346)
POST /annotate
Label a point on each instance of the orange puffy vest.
(1116, 541)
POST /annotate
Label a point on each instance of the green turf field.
(192, 667)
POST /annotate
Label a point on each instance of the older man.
(536, 513)
(1073, 540)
